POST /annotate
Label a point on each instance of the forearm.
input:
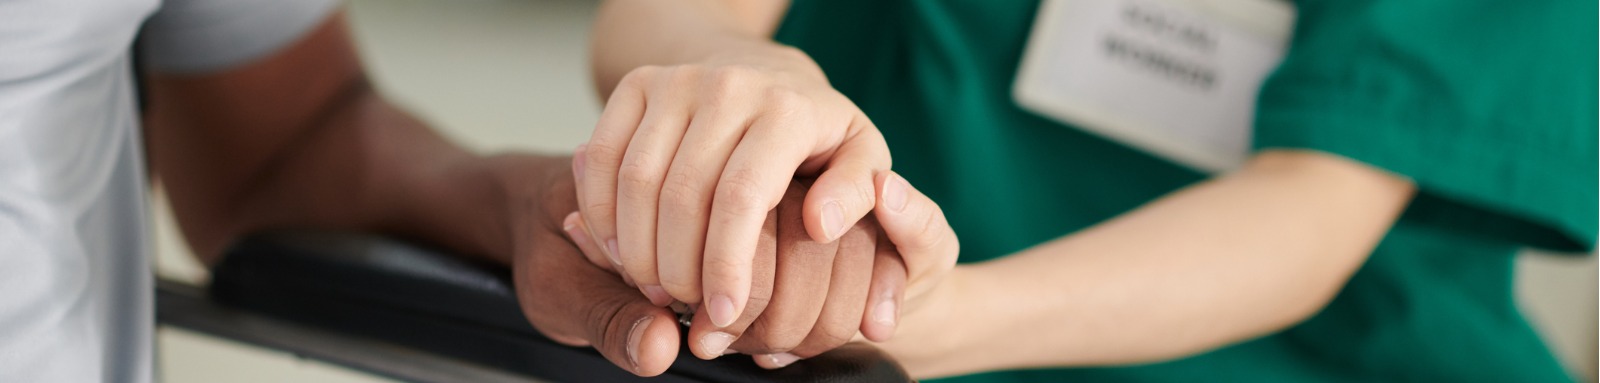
(364, 166)
(1223, 261)
(372, 167)
(632, 33)
(301, 139)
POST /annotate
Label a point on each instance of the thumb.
(917, 227)
(633, 333)
(844, 192)
(593, 305)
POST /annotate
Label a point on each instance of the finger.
(917, 227)
(565, 297)
(775, 361)
(644, 168)
(707, 341)
(752, 183)
(845, 192)
(573, 226)
(638, 335)
(887, 293)
(576, 231)
(686, 197)
(800, 285)
(600, 159)
(846, 293)
(595, 253)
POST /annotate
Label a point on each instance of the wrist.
(536, 193)
(767, 55)
(936, 332)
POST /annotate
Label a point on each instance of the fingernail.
(715, 343)
(635, 335)
(658, 296)
(781, 360)
(832, 220)
(721, 310)
(611, 253)
(894, 192)
(570, 225)
(884, 313)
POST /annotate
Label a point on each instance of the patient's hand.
(564, 296)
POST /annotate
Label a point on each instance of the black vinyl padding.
(389, 290)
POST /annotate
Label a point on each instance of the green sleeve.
(1489, 106)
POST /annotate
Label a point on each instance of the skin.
(301, 139)
(698, 142)
(788, 279)
(1239, 256)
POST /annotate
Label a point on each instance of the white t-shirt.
(75, 281)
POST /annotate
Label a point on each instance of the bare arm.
(632, 33)
(301, 138)
(1233, 258)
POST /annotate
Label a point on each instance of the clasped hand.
(687, 191)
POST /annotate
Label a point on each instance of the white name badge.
(1176, 78)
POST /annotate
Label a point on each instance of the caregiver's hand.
(686, 162)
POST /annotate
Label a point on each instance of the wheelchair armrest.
(390, 291)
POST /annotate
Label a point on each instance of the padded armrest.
(409, 295)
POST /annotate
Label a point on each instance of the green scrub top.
(1490, 106)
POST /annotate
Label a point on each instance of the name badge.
(1175, 78)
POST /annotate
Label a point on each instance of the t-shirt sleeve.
(1489, 106)
(201, 36)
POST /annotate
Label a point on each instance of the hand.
(687, 161)
(917, 229)
(783, 318)
(808, 297)
(563, 296)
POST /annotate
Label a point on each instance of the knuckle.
(727, 80)
(787, 102)
(603, 317)
(638, 76)
(682, 192)
(683, 74)
(757, 303)
(829, 337)
(866, 194)
(602, 152)
(773, 337)
(725, 269)
(739, 194)
(930, 233)
(638, 174)
(604, 210)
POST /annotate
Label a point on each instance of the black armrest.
(393, 292)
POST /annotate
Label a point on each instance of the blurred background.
(499, 75)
